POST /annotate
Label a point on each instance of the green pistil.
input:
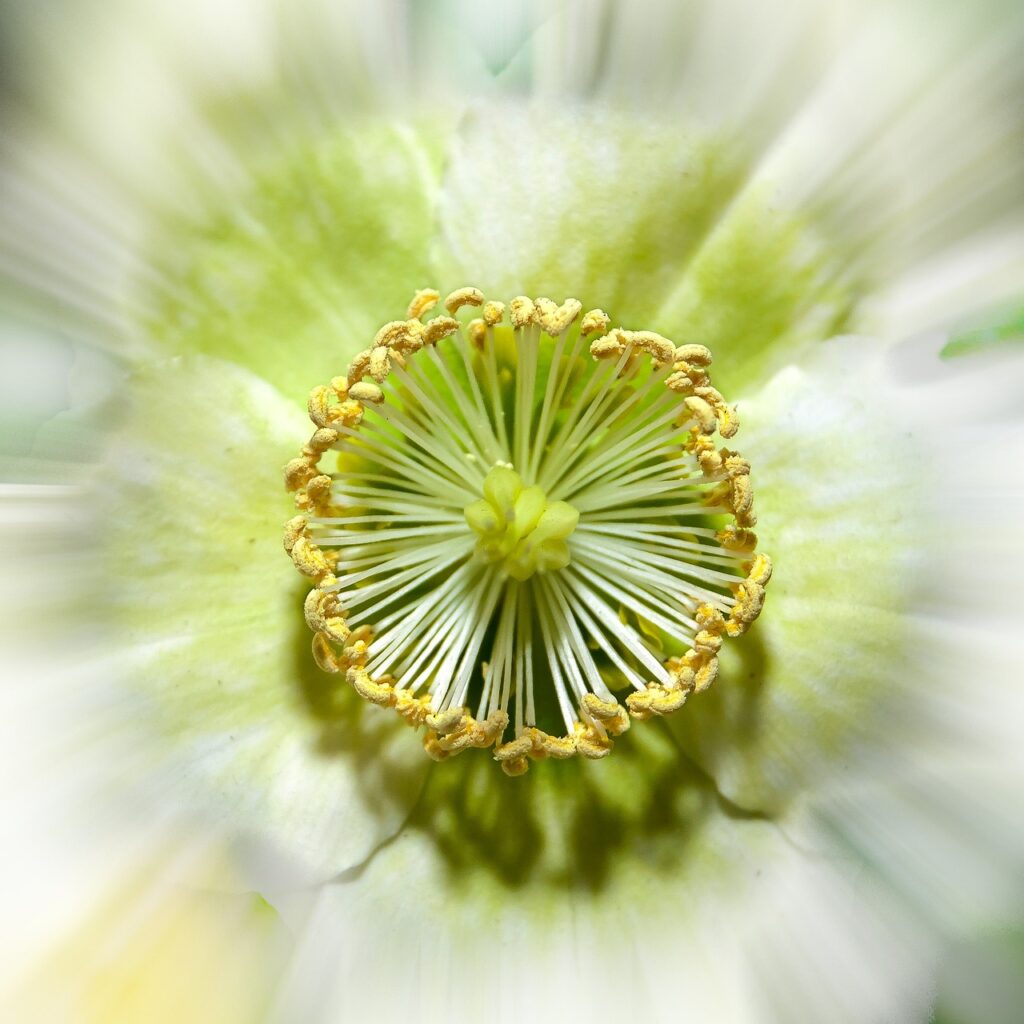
(518, 527)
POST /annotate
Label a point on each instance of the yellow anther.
(434, 749)
(522, 311)
(521, 746)
(319, 407)
(760, 571)
(702, 413)
(557, 747)
(476, 330)
(447, 721)
(706, 642)
(438, 328)
(471, 733)
(298, 473)
(594, 320)
(422, 302)
(705, 674)
(515, 766)
(683, 677)
(710, 395)
(359, 367)
(591, 744)
(361, 637)
(658, 348)
(680, 383)
(668, 700)
(749, 602)
(382, 694)
(728, 420)
(742, 498)
(639, 703)
(366, 392)
(610, 713)
(493, 313)
(735, 465)
(555, 319)
(697, 355)
(380, 363)
(398, 336)
(610, 346)
(323, 439)
(463, 297)
(293, 530)
(319, 489)
(494, 725)
(323, 615)
(735, 538)
(697, 375)
(324, 656)
(391, 334)
(412, 708)
(710, 618)
(350, 413)
(308, 558)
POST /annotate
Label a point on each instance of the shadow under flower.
(567, 824)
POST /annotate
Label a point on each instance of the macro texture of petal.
(319, 244)
(652, 219)
(211, 641)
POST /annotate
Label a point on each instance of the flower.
(796, 842)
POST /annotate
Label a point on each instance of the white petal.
(206, 618)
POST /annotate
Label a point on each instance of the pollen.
(521, 528)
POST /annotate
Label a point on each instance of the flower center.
(519, 528)
(609, 548)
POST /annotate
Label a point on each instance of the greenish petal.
(841, 497)
(600, 206)
(655, 221)
(207, 610)
(291, 271)
(1001, 328)
(765, 282)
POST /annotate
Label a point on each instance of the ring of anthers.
(337, 410)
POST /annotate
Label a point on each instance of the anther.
(593, 321)
(422, 302)
(366, 392)
(522, 311)
(463, 297)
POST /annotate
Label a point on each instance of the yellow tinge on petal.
(529, 535)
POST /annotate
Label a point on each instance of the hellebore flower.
(523, 526)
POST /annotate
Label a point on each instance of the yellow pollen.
(513, 524)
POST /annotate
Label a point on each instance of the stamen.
(519, 530)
